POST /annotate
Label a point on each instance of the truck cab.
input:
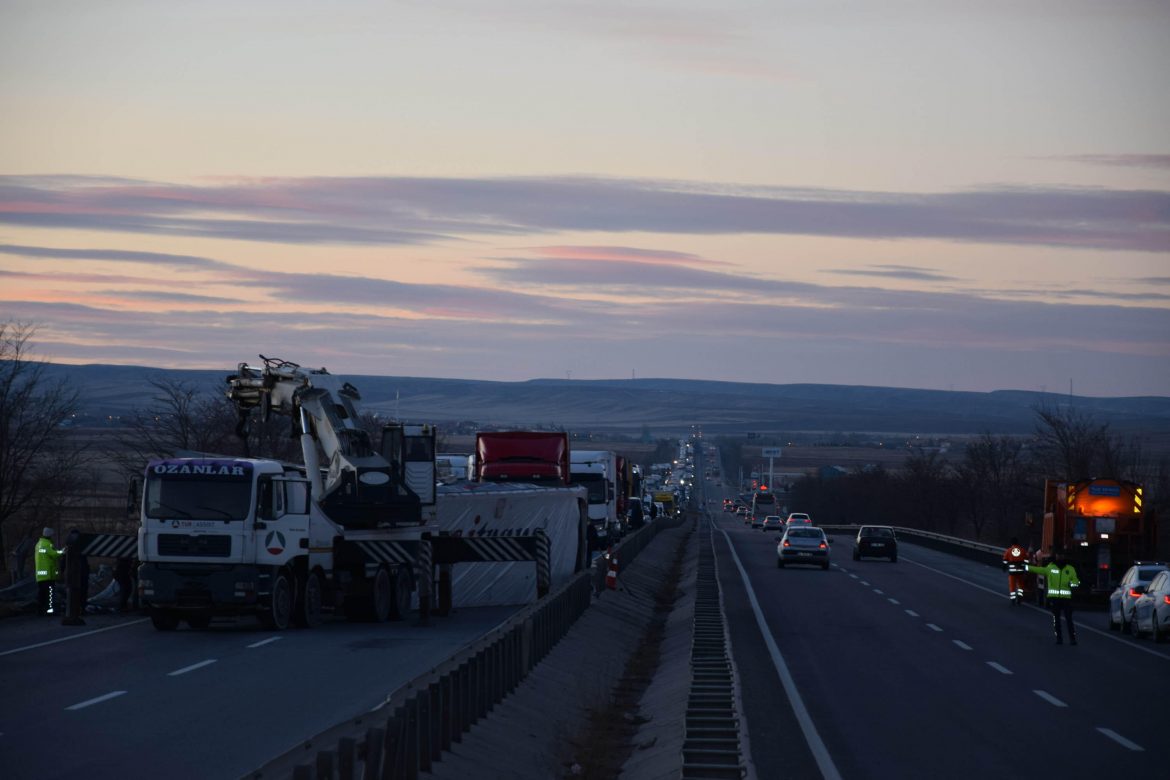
(596, 471)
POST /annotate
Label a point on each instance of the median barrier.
(420, 720)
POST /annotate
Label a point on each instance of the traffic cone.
(612, 575)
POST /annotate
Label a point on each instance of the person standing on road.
(1015, 560)
(1061, 578)
(47, 570)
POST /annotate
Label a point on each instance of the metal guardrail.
(977, 551)
(434, 710)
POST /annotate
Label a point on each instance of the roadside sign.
(770, 452)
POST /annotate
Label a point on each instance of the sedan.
(798, 518)
(804, 545)
(1151, 614)
(773, 523)
(877, 541)
(1133, 585)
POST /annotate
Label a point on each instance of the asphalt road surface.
(923, 669)
(119, 699)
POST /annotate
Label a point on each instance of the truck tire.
(308, 613)
(164, 619)
(277, 615)
(400, 603)
(381, 596)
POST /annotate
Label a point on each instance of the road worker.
(46, 567)
(1015, 560)
(1061, 578)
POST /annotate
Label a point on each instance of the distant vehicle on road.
(1152, 611)
(876, 541)
(773, 523)
(1133, 584)
(803, 545)
(797, 518)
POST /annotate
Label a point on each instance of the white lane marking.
(961, 644)
(192, 667)
(1126, 642)
(866, 584)
(263, 642)
(879, 592)
(815, 744)
(854, 576)
(999, 667)
(1048, 697)
(1113, 735)
(893, 601)
(911, 613)
(72, 636)
(96, 700)
(933, 627)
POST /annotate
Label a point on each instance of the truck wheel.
(199, 620)
(308, 613)
(277, 615)
(381, 597)
(164, 620)
(400, 604)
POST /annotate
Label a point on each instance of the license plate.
(805, 554)
(877, 544)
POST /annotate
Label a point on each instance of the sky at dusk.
(967, 194)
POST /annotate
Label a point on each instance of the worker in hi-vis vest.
(1015, 560)
(46, 566)
(1061, 578)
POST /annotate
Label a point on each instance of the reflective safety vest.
(1059, 581)
(46, 560)
(1016, 559)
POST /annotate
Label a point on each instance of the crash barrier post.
(433, 711)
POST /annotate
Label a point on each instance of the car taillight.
(1134, 593)
(787, 543)
(1166, 599)
(823, 545)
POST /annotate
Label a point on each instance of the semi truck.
(1102, 526)
(597, 472)
(533, 457)
(354, 529)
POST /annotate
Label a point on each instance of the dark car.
(875, 541)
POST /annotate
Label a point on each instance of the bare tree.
(1069, 443)
(37, 459)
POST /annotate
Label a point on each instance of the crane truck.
(356, 532)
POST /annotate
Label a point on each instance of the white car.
(1133, 585)
(1151, 614)
(797, 518)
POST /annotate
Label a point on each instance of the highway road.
(119, 699)
(923, 669)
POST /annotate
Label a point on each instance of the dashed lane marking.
(72, 636)
(933, 627)
(893, 601)
(1113, 735)
(879, 592)
(1106, 634)
(866, 584)
(1048, 697)
(192, 667)
(961, 644)
(911, 613)
(854, 576)
(268, 641)
(96, 700)
(999, 667)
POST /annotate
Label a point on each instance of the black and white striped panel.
(110, 545)
(498, 548)
(379, 552)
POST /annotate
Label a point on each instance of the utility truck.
(354, 529)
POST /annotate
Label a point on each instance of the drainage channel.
(711, 749)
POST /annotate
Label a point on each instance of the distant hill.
(662, 405)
